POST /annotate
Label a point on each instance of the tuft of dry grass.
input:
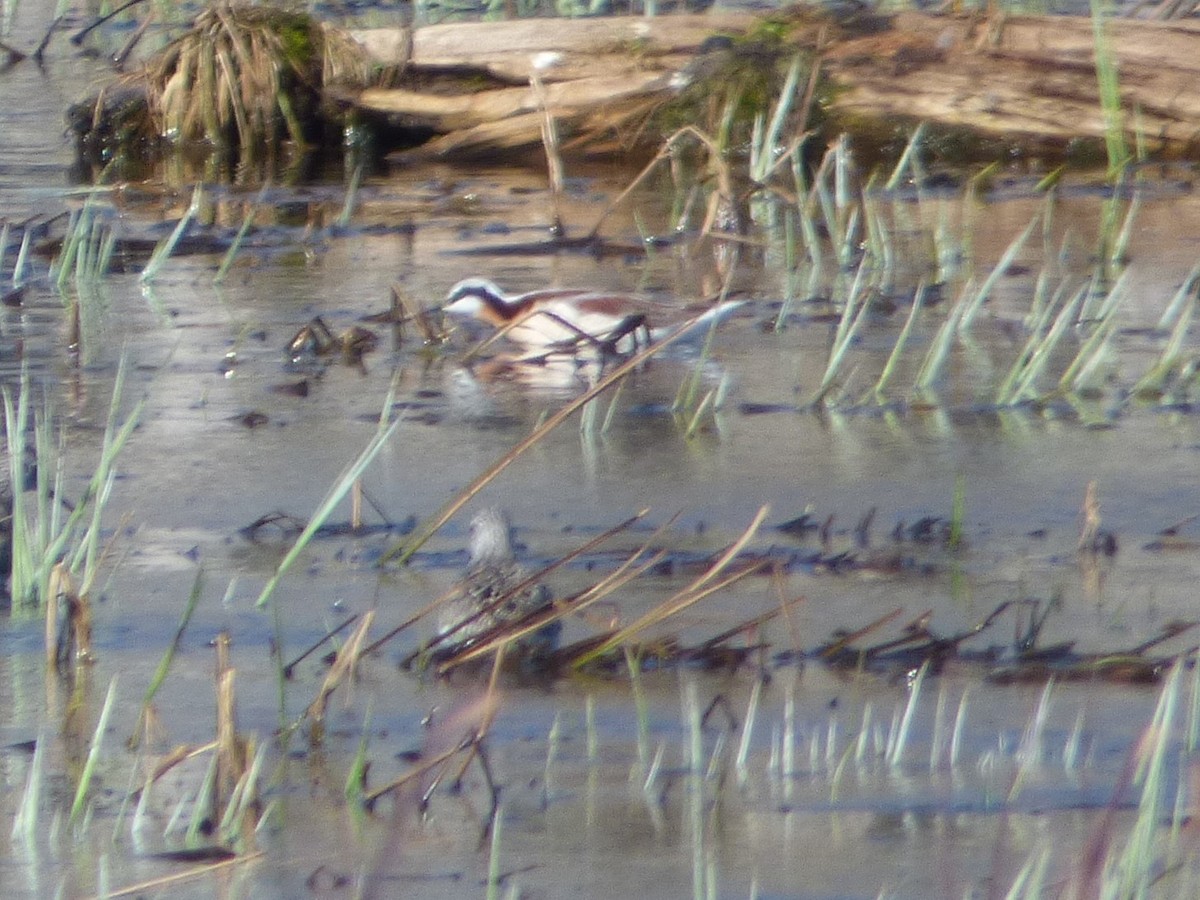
(249, 76)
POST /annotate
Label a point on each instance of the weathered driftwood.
(1028, 80)
(597, 74)
(508, 51)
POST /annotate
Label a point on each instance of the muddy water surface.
(596, 796)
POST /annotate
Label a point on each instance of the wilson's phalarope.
(492, 573)
(573, 319)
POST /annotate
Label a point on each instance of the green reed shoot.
(893, 360)
(73, 238)
(1092, 353)
(1030, 882)
(641, 705)
(1032, 747)
(553, 747)
(1192, 731)
(93, 757)
(939, 348)
(787, 745)
(341, 487)
(790, 266)
(493, 876)
(1072, 746)
(164, 664)
(22, 263)
(1137, 867)
(1182, 297)
(862, 744)
(1093, 350)
(697, 418)
(1006, 259)
(87, 246)
(878, 245)
(587, 418)
(743, 749)
(168, 244)
(1120, 246)
(685, 399)
(24, 564)
(1037, 306)
(937, 741)
(611, 414)
(908, 161)
(1108, 82)
(351, 201)
(236, 244)
(25, 821)
(805, 211)
(1039, 357)
(766, 142)
(245, 794)
(899, 741)
(1169, 361)
(1031, 363)
(958, 513)
(652, 772)
(1037, 321)
(822, 196)
(854, 314)
(203, 805)
(87, 554)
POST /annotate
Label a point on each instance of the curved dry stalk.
(155, 884)
(664, 152)
(614, 581)
(700, 588)
(347, 658)
(404, 550)
(499, 601)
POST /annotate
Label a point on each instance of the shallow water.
(586, 808)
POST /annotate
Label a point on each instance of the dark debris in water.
(211, 853)
(280, 527)
(315, 341)
(917, 646)
(1022, 661)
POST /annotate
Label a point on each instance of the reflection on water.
(806, 812)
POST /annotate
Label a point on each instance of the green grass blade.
(335, 496)
(247, 221)
(889, 368)
(164, 664)
(167, 246)
(1006, 260)
(93, 757)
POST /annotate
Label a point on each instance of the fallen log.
(470, 84)
(1027, 81)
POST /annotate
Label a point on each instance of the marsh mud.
(605, 788)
